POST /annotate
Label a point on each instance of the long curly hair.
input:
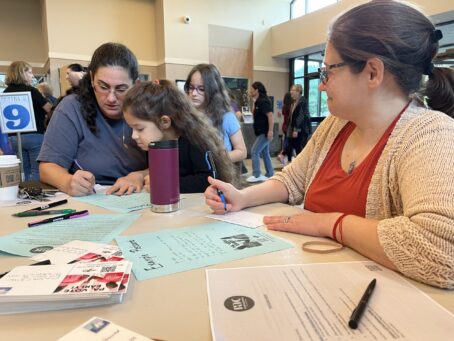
(149, 101)
(217, 100)
(108, 54)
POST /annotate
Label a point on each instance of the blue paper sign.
(16, 112)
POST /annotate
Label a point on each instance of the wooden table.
(173, 307)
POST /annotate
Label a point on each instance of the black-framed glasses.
(189, 89)
(323, 71)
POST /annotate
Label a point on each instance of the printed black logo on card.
(41, 249)
(240, 241)
(239, 303)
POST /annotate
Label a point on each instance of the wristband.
(336, 224)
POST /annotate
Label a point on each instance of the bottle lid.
(163, 144)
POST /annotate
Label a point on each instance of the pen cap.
(163, 165)
(9, 177)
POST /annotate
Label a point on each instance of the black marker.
(359, 310)
(43, 262)
(49, 205)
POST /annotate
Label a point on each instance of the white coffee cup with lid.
(9, 177)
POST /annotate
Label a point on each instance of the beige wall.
(21, 35)
(189, 43)
(311, 29)
(76, 28)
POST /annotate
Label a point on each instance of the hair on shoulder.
(150, 101)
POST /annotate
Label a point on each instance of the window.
(304, 71)
(2, 82)
(302, 7)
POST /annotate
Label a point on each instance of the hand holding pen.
(83, 181)
(212, 167)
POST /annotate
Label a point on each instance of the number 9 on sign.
(17, 116)
(17, 113)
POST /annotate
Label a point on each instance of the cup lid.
(163, 144)
(8, 159)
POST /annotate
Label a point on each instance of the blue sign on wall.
(16, 112)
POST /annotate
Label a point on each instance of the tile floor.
(276, 165)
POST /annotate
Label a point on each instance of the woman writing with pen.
(377, 175)
(87, 140)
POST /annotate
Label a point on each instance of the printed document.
(175, 250)
(315, 301)
(94, 227)
(120, 204)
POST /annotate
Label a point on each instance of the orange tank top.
(333, 189)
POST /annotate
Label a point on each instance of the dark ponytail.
(439, 90)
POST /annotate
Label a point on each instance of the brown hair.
(217, 101)
(150, 101)
(439, 90)
(106, 55)
(16, 73)
(401, 36)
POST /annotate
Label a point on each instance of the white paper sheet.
(315, 301)
(99, 329)
(243, 218)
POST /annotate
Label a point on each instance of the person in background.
(47, 91)
(263, 129)
(377, 174)
(5, 145)
(74, 73)
(286, 111)
(88, 126)
(299, 125)
(158, 112)
(207, 92)
(19, 78)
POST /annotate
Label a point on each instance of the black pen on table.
(212, 165)
(43, 262)
(59, 218)
(82, 169)
(361, 307)
(46, 206)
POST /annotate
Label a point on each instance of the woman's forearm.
(55, 175)
(267, 192)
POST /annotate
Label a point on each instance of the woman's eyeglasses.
(323, 71)
(105, 89)
(189, 89)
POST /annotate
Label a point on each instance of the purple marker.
(62, 217)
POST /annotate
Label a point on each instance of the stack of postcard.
(90, 279)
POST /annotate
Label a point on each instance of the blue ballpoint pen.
(212, 167)
(80, 167)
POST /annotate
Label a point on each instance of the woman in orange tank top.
(377, 174)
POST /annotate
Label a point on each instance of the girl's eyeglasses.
(189, 89)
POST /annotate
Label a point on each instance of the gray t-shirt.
(105, 155)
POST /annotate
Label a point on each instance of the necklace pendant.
(351, 167)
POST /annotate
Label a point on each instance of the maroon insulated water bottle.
(164, 169)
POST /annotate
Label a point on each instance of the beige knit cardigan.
(411, 191)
